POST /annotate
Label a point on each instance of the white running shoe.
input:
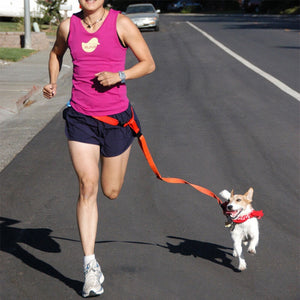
(93, 278)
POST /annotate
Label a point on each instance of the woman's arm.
(131, 36)
(55, 58)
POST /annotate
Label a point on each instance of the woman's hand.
(49, 90)
(108, 78)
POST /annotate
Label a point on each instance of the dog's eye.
(238, 200)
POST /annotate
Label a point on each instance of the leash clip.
(229, 224)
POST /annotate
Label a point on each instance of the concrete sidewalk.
(21, 80)
(23, 109)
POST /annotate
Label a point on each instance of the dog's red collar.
(253, 214)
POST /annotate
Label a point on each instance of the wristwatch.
(122, 76)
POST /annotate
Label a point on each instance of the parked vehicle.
(144, 16)
(183, 4)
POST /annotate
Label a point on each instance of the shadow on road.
(209, 251)
(38, 238)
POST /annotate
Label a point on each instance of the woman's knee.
(111, 193)
(88, 188)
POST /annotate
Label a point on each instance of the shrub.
(50, 10)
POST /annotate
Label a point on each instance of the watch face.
(122, 77)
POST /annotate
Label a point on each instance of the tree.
(50, 10)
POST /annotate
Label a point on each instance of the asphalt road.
(208, 119)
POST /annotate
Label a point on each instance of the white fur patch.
(225, 194)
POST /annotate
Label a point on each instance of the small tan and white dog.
(242, 219)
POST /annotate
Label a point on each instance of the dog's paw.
(251, 251)
(242, 265)
(234, 254)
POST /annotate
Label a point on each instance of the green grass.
(292, 11)
(19, 26)
(15, 54)
(11, 26)
(50, 30)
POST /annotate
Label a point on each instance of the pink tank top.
(93, 53)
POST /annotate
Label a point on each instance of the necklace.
(93, 24)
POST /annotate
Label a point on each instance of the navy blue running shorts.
(113, 140)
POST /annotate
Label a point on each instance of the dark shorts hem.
(113, 140)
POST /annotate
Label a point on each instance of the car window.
(139, 9)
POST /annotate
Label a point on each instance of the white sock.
(87, 259)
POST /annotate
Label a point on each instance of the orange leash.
(142, 142)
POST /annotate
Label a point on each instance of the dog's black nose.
(229, 207)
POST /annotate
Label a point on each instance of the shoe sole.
(97, 293)
(93, 294)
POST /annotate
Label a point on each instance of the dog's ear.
(231, 195)
(249, 194)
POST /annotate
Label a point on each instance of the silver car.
(144, 16)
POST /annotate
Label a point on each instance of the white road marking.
(248, 64)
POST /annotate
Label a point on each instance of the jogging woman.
(98, 40)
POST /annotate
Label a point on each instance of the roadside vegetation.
(15, 54)
(292, 11)
(17, 25)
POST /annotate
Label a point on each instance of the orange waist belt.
(142, 142)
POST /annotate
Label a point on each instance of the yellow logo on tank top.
(91, 45)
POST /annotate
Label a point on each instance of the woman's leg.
(113, 172)
(85, 158)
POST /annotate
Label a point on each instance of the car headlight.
(152, 19)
